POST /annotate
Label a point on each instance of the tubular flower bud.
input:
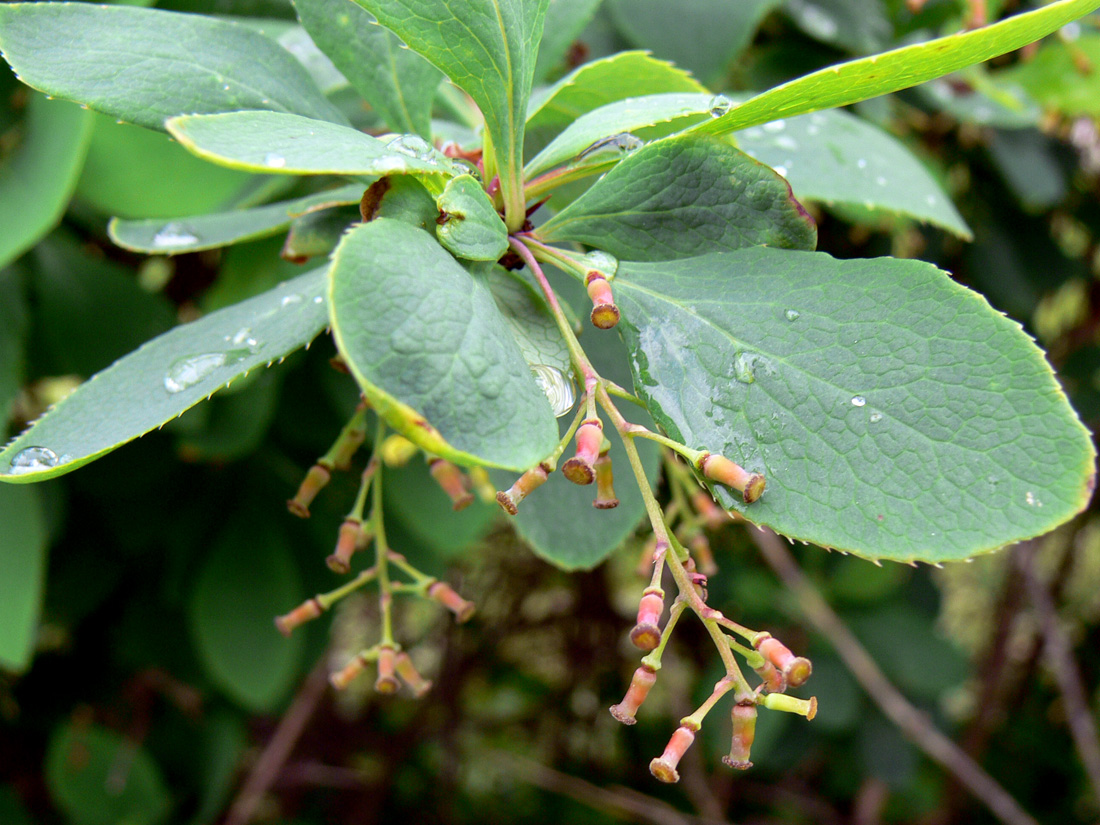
(347, 543)
(773, 679)
(644, 678)
(795, 669)
(664, 766)
(344, 677)
(646, 634)
(453, 482)
(307, 611)
(526, 484)
(700, 546)
(446, 596)
(713, 516)
(396, 450)
(789, 704)
(579, 469)
(605, 490)
(386, 681)
(315, 481)
(410, 675)
(604, 312)
(744, 731)
(721, 469)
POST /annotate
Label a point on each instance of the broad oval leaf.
(397, 82)
(431, 351)
(617, 118)
(165, 377)
(470, 226)
(285, 144)
(836, 158)
(23, 544)
(898, 69)
(487, 48)
(38, 178)
(536, 334)
(680, 197)
(160, 237)
(894, 413)
(564, 23)
(146, 65)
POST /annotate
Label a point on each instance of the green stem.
(723, 687)
(691, 455)
(653, 658)
(327, 600)
(382, 551)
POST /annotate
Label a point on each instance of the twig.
(278, 750)
(914, 724)
(1059, 655)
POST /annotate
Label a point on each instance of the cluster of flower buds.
(605, 314)
(337, 458)
(794, 669)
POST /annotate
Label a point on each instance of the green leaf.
(893, 412)
(430, 350)
(38, 178)
(836, 158)
(291, 145)
(680, 197)
(23, 570)
(536, 334)
(317, 233)
(224, 740)
(146, 65)
(14, 318)
(565, 20)
(166, 376)
(1062, 76)
(616, 118)
(248, 578)
(488, 49)
(191, 234)
(898, 69)
(396, 81)
(85, 783)
(852, 25)
(471, 227)
(977, 96)
(703, 36)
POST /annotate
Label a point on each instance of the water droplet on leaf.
(744, 367)
(413, 146)
(619, 144)
(558, 387)
(33, 459)
(719, 105)
(186, 372)
(273, 160)
(174, 234)
(775, 125)
(292, 298)
(792, 314)
(875, 416)
(858, 401)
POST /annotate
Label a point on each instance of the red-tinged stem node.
(525, 485)
(386, 681)
(604, 312)
(744, 731)
(453, 482)
(721, 469)
(446, 596)
(664, 766)
(347, 542)
(405, 668)
(646, 634)
(795, 669)
(315, 481)
(790, 704)
(580, 468)
(605, 484)
(344, 677)
(644, 679)
(307, 611)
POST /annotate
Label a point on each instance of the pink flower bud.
(526, 484)
(410, 675)
(446, 596)
(453, 482)
(796, 669)
(646, 634)
(605, 490)
(713, 516)
(307, 611)
(744, 731)
(605, 314)
(579, 469)
(315, 481)
(664, 766)
(342, 678)
(773, 679)
(721, 469)
(700, 547)
(790, 704)
(386, 681)
(346, 544)
(644, 678)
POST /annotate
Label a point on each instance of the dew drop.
(558, 387)
(174, 234)
(413, 146)
(385, 166)
(292, 298)
(604, 262)
(318, 299)
(242, 338)
(930, 200)
(781, 171)
(858, 401)
(33, 459)
(875, 416)
(792, 314)
(619, 144)
(880, 180)
(862, 163)
(225, 87)
(775, 125)
(186, 372)
(719, 105)
(273, 160)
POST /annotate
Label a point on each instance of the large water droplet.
(604, 262)
(792, 314)
(292, 298)
(33, 459)
(558, 387)
(619, 144)
(273, 160)
(413, 146)
(385, 166)
(719, 105)
(858, 401)
(174, 234)
(186, 372)
(242, 338)
(744, 367)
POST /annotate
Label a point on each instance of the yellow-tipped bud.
(344, 677)
(795, 669)
(744, 731)
(386, 681)
(446, 596)
(405, 668)
(316, 479)
(664, 766)
(580, 468)
(643, 680)
(527, 483)
(605, 314)
(721, 469)
(307, 611)
(646, 634)
(605, 484)
(790, 704)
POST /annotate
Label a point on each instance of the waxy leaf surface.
(428, 346)
(165, 377)
(898, 69)
(397, 82)
(291, 145)
(529, 320)
(894, 413)
(146, 65)
(680, 197)
(471, 227)
(23, 570)
(836, 158)
(191, 234)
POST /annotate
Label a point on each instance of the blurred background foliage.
(141, 680)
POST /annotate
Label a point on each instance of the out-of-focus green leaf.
(565, 20)
(1025, 159)
(977, 96)
(317, 233)
(852, 25)
(37, 180)
(22, 572)
(14, 317)
(224, 741)
(1063, 76)
(146, 65)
